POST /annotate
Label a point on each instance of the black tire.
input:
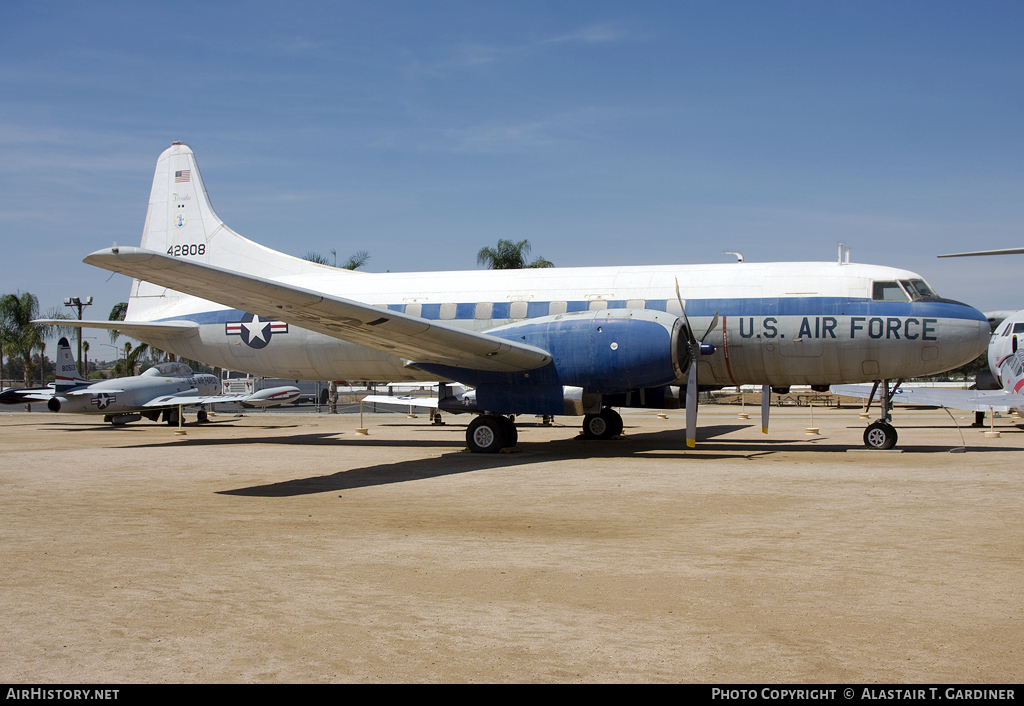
(511, 431)
(602, 426)
(201, 417)
(487, 434)
(614, 421)
(880, 435)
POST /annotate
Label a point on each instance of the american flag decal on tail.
(182, 175)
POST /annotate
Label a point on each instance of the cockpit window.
(918, 289)
(169, 369)
(888, 292)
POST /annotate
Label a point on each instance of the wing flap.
(410, 337)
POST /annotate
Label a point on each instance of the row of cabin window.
(519, 310)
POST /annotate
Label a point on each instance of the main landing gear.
(602, 426)
(490, 433)
(881, 434)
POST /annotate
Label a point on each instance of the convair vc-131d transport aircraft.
(536, 341)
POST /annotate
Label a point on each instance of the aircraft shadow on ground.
(662, 444)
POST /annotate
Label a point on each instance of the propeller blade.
(691, 406)
(710, 328)
(689, 331)
(766, 405)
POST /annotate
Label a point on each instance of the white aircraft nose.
(964, 339)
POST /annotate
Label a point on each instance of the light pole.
(79, 305)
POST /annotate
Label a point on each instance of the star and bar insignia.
(255, 332)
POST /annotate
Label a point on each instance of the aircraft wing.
(402, 400)
(1007, 251)
(973, 400)
(178, 328)
(20, 395)
(263, 398)
(410, 337)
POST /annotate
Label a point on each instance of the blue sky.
(602, 132)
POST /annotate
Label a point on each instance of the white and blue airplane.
(578, 341)
(162, 390)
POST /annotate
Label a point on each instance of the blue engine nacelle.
(607, 352)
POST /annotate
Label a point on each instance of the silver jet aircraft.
(161, 390)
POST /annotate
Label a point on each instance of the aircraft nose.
(965, 336)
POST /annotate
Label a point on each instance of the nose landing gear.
(881, 434)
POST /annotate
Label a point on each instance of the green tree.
(317, 258)
(510, 256)
(17, 312)
(117, 313)
(132, 356)
(353, 263)
(357, 260)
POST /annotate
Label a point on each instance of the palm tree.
(510, 256)
(357, 260)
(6, 347)
(131, 355)
(17, 312)
(316, 257)
(126, 367)
(117, 313)
(354, 262)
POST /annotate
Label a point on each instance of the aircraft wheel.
(880, 435)
(614, 420)
(511, 431)
(487, 434)
(598, 426)
(201, 417)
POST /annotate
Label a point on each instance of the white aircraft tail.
(67, 372)
(181, 222)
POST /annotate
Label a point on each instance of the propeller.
(696, 348)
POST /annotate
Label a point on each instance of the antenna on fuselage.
(844, 254)
(739, 255)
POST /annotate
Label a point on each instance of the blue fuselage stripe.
(753, 306)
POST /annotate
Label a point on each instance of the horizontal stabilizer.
(410, 337)
(178, 328)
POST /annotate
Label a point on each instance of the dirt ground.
(287, 548)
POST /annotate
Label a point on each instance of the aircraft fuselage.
(781, 323)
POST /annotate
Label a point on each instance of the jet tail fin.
(67, 372)
(181, 223)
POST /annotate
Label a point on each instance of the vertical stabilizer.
(67, 372)
(181, 222)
